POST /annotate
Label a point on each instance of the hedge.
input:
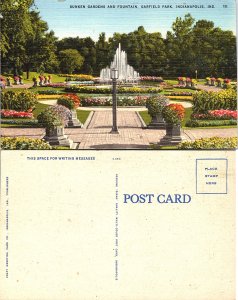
(204, 101)
(19, 101)
(22, 143)
(210, 143)
(207, 123)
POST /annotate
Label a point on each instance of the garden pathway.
(132, 136)
(208, 88)
(21, 86)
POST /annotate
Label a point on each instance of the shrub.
(19, 101)
(22, 143)
(56, 115)
(21, 122)
(63, 112)
(207, 123)
(210, 143)
(156, 104)
(71, 101)
(173, 113)
(66, 102)
(204, 101)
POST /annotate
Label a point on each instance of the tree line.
(27, 45)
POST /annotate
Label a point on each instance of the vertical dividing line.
(116, 242)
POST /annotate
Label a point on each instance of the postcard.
(118, 150)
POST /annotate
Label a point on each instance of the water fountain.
(127, 74)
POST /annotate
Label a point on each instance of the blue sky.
(83, 22)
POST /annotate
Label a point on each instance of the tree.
(40, 47)
(179, 44)
(70, 60)
(16, 27)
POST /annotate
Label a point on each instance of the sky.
(84, 22)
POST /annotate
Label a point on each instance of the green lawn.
(39, 108)
(54, 77)
(83, 115)
(145, 116)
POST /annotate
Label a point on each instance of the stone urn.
(73, 120)
(157, 122)
(55, 136)
(173, 135)
(213, 80)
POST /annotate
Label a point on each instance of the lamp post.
(114, 77)
(196, 72)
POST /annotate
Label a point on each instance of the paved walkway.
(21, 86)
(209, 88)
(131, 134)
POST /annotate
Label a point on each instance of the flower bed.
(121, 101)
(205, 101)
(55, 85)
(180, 97)
(108, 90)
(12, 114)
(180, 94)
(210, 143)
(151, 78)
(22, 143)
(178, 86)
(80, 77)
(216, 115)
(70, 83)
(42, 97)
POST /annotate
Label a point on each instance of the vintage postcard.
(118, 149)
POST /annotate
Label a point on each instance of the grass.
(54, 77)
(83, 115)
(188, 112)
(39, 108)
(145, 116)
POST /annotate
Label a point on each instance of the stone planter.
(173, 135)
(55, 137)
(74, 121)
(188, 83)
(157, 122)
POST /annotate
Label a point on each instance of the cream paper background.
(61, 234)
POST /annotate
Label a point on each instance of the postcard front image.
(118, 138)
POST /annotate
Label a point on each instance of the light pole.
(114, 77)
(196, 72)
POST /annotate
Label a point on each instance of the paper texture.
(70, 234)
(119, 224)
